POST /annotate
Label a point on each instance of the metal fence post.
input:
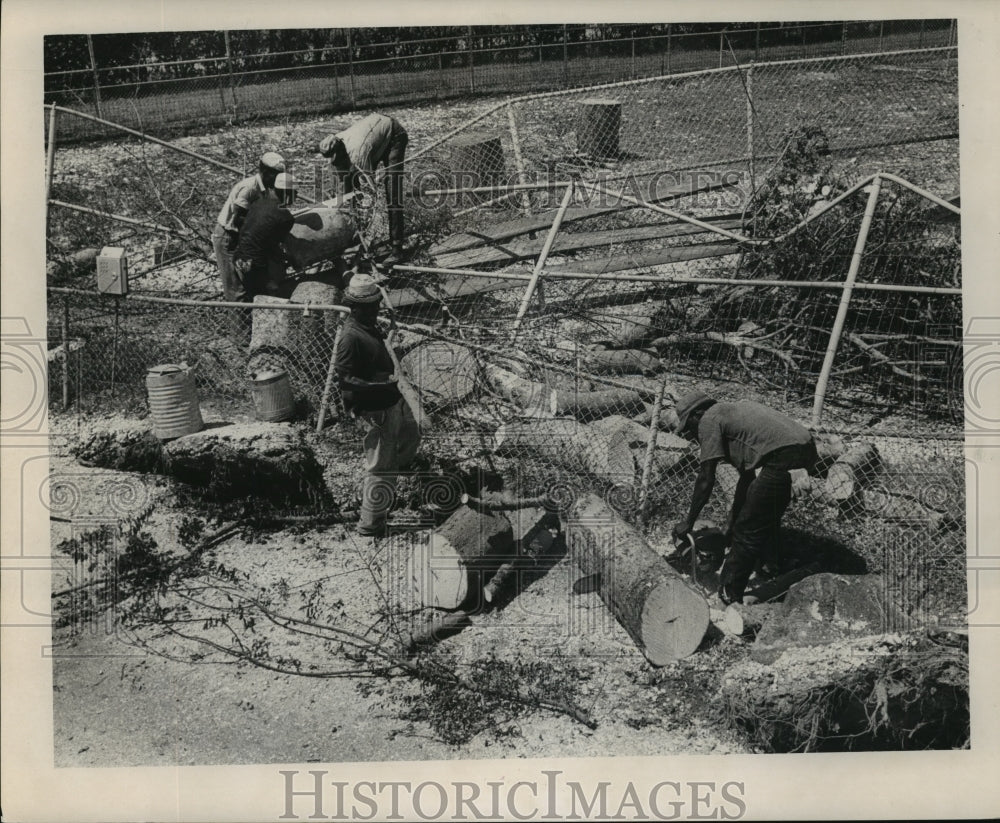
(65, 354)
(97, 84)
(633, 55)
(750, 112)
(756, 43)
(565, 57)
(50, 160)
(350, 65)
(232, 76)
(843, 37)
(845, 299)
(670, 38)
(472, 68)
(951, 33)
(920, 36)
(722, 36)
(881, 33)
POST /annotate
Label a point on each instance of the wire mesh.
(553, 385)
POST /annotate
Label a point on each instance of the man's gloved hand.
(232, 240)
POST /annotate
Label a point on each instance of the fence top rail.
(724, 69)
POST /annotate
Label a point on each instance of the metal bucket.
(273, 400)
(173, 401)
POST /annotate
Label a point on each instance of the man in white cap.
(225, 234)
(356, 153)
(763, 445)
(260, 262)
(371, 393)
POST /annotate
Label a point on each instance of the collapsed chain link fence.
(541, 324)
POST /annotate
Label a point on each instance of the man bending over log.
(356, 153)
(763, 445)
(226, 233)
(371, 393)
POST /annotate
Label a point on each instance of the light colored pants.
(232, 286)
(391, 442)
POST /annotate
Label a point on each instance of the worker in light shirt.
(226, 233)
(356, 152)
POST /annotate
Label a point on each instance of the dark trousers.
(394, 186)
(755, 532)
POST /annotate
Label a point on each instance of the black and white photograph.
(447, 417)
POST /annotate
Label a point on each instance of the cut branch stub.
(852, 471)
(666, 617)
(445, 373)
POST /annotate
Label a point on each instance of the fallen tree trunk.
(593, 405)
(263, 460)
(666, 617)
(530, 395)
(571, 445)
(852, 471)
(622, 361)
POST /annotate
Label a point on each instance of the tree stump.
(824, 608)
(666, 617)
(270, 338)
(476, 160)
(598, 125)
(312, 332)
(463, 552)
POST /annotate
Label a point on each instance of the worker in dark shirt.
(260, 261)
(763, 445)
(370, 392)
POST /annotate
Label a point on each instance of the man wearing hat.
(225, 235)
(356, 153)
(763, 445)
(259, 260)
(370, 393)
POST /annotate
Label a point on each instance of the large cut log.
(272, 461)
(824, 608)
(666, 617)
(599, 120)
(410, 395)
(444, 373)
(875, 693)
(593, 405)
(571, 445)
(852, 471)
(531, 396)
(320, 233)
(622, 361)
(657, 189)
(312, 333)
(462, 554)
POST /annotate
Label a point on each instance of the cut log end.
(674, 621)
(438, 576)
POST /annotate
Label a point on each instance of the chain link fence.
(584, 258)
(225, 81)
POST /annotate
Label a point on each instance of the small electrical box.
(112, 271)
